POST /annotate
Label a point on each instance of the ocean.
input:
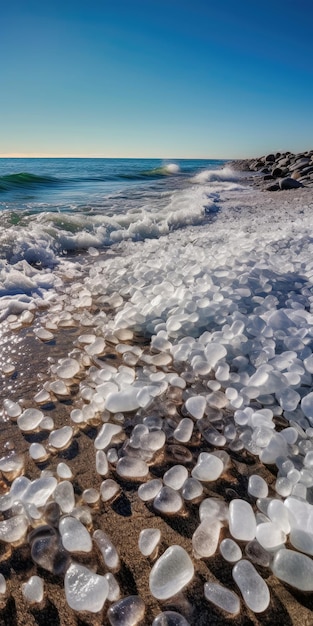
(156, 374)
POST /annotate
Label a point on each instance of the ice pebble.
(253, 588)
(75, 537)
(127, 612)
(175, 476)
(68, 368)
(294, 568)
(257, 486)
(168, 501)
(13, 529)
(29, 420)
(148, 540)
(84, 589)
(183, 431)
(64, 496)
(205, 538)
(61, 437)
(148, 491)
(171, 573)
(270, 536)
(196, 406)
(223, 598)
(242, 524)
(208, 468)
(170, 618)
(33, 590)
(107, 549)
(132, 468)
(230, 550)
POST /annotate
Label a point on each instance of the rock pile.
(282, 170)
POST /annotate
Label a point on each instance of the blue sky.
(149, 78)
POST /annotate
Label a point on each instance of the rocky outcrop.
(280, 171)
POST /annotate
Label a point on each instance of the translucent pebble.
(107, 549)
(68, 368)
(302, 540)
(12, 409)
(13, 463)
(184, 430)
(288, 398)
(278, 514)
(208, 468)
(148, 540)
(191, 489)
(205, 538)
(109, 489)
(257, 486)
(168, 501)
(127, 612)
(42, 396)
(290, 434)
(114, 588)
(97, 347)
(294, 568)
(242, 524)
(283, 486)
(75, 537)
(123, 401)
(171, 573)
(40, 490)
(106, 434)
(214, 352)
(64, 496)
(213, 507)
(307, 406)
(64, 471)
(85, 590)
(253, 588)
(222, 597)
(46, 423)
(195, 406)
(3, 585)
(257, 554)
(270, 536)
(149, 490)
(230, 550)
(37, 452)
(77, 416)
(132, 468)
(43, 334)
(102, 465)
(61, 437)
(170, 618)
(13, 529)
(175, 476)
(59, 388)
(29, 420)
(90, 496)
(47, 550)
(33, 590)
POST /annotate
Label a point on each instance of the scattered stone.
(171, 573)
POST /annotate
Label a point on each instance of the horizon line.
(15, 155)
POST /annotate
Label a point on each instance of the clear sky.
(156, 78)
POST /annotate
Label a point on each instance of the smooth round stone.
(29, 420)
(242, 524)
(222, 597)
(257, 554)
(68, 368)
(59, 388)
(61, 438)
(33, 590)
(107, 549)
(184, 430)
(253, 588)
(307, 406)
(191, 489)
(47, 550)
(196, 406)
(37, 452)
(208, 468)
(75, 537)
(170, 618)
(106, 434)
(257, 486)
(13, 529)
(122, 401)
(171, 573)
(294, 568)
(64, 471)
(43, 334)
(97, 347)
(168, 501)
(175, 476)
(91, 496)
(13, 463)
(213, 507)
(114, 588)
(85, 590)
(149, 490)
(230, 550)
(127, 612)
(148, 540)
(3, 585)
(270, 536)
(102, 465)
(205, 538)
(278, 514)
(132, 468)
(214, 352)
(64, 496)
(40, 490)
(12, 409)
(109, 488)
(302, 541)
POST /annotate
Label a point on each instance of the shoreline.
(116, 312)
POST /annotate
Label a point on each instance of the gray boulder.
(289, 183)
